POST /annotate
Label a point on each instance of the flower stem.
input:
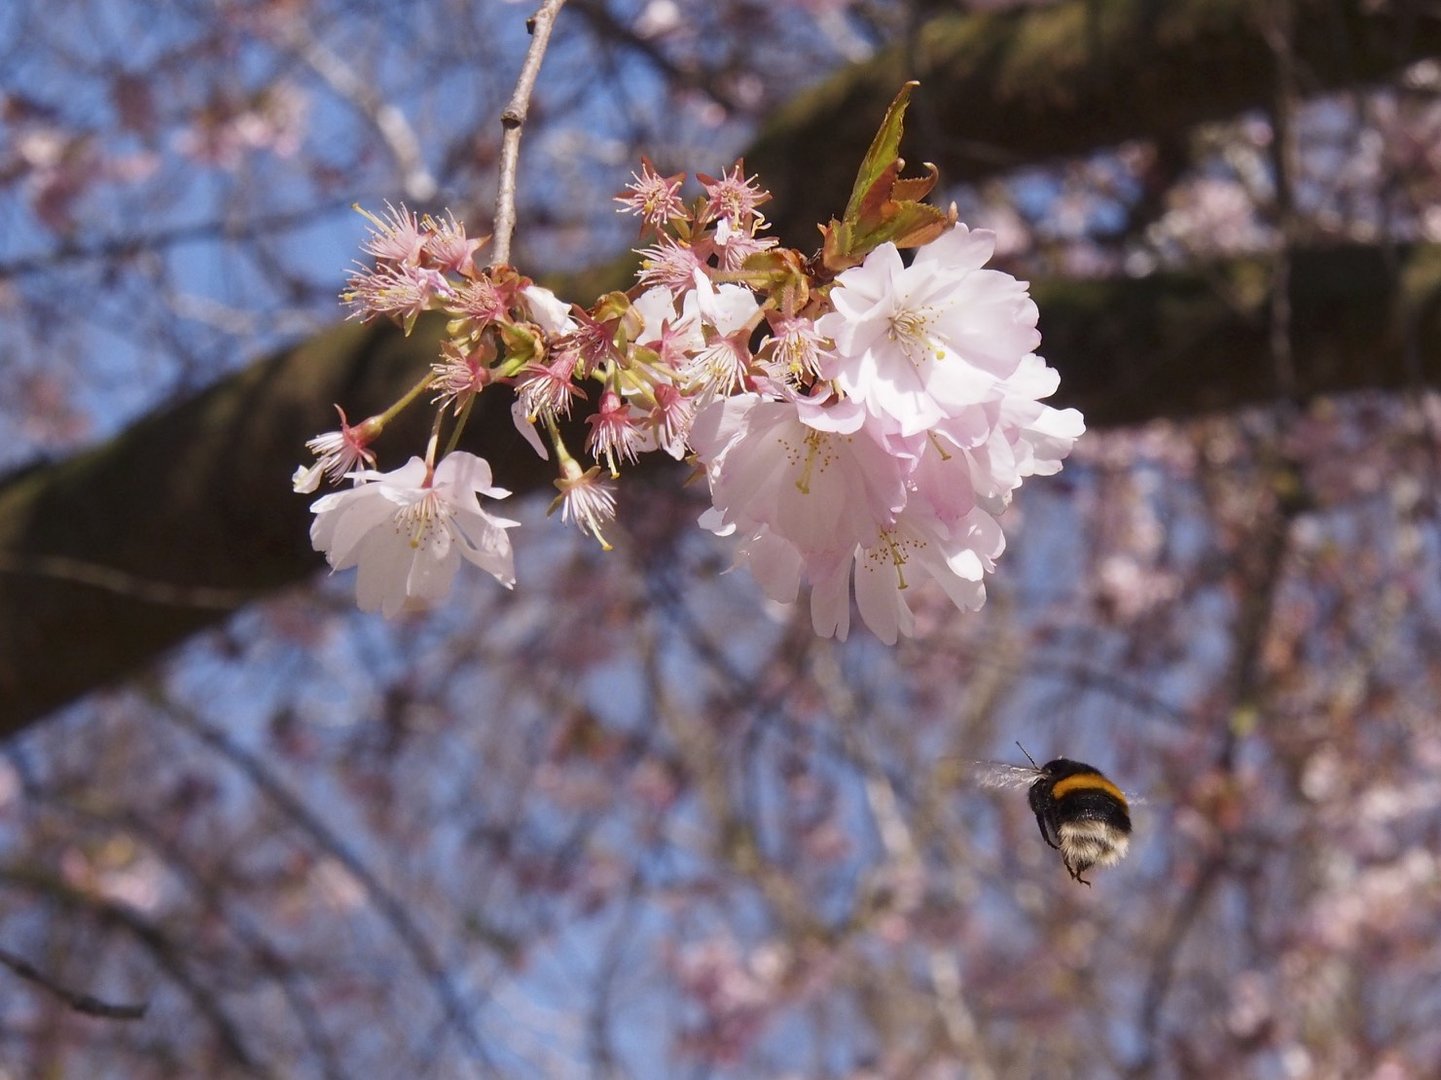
(460, 424)
(432, 444)
(410, 395)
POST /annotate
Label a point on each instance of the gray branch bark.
(112, 557)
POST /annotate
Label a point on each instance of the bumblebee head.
(1060, 768)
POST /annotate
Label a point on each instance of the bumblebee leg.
(1041, 824)
(1076, 874)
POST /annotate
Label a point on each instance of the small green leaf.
(884, 207)
(885, 149)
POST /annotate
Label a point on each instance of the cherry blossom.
(585, 499)
(734, 198)
(914, 547)
(862, 420)
(447, 247)
(397, 237)
(655, 198)
(404, 291)
(727, 313)
(408, 529)
(460, 373)
(669, 264)
(550, 313)
(671, 420)
(925, 343)
(614, 431)
(900, 477)
(337, 453)
(805, 471)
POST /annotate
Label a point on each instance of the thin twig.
(1163, 963)
(512, 120)
(165, 952)
(389, 906)
(216, 903)
(128, 247)
(1278, 29)
(902, 851)
(121, 583)
(81, 1003)
(390, 121)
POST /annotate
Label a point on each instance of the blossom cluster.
(861, 420)
(893, 463)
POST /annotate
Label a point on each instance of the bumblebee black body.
(1081, 814)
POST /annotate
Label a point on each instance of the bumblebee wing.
(997, 774)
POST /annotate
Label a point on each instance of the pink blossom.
(1042, 436)
(461, 373)
(447, 247)
(525, 425)
(397, 237)
(924, 343)
(591, 341)
(654, 197)
(915, 547)
(735, 246)
(734, 198)
(737, 991)
(407, 531)
(670, 420)
(547, 310)
(337, 453)
(773, 561)
(481, 300)
(403, 291)
(546, 387)
(614, 432)
(982, 456)
(806, 472)
(798, 346)
(587, 500)
(727, 313)
(669, 264)
(272, 120)
(902, 478)
(673, 338)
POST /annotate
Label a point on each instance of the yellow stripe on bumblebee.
(1079, 811)
(1087, 781)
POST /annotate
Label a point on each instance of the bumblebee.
(1080, 813)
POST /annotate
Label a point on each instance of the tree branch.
(387, 904)
(196, 497)
(80, 1002)
(111, 557)
(512, 120)
(1039, 84)
(163, 950)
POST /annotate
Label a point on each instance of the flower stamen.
(910, 330)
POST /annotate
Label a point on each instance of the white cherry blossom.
(408, 529)
(925, 343)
